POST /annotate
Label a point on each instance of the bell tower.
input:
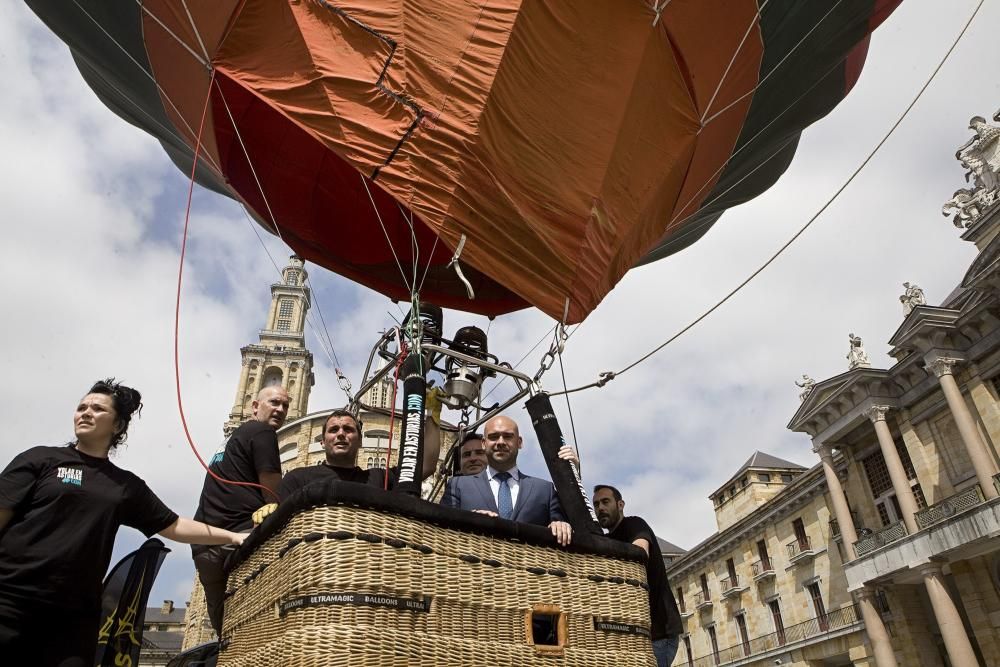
(281, 357)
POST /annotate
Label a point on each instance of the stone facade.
(886, 553)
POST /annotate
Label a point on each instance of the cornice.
(808, 485)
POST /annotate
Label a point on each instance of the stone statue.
(912, 296)
(857, 357)
(806, 385)
(980, 156)
(966, 205)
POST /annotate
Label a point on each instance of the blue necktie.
(504, 502)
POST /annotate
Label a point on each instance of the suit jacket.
(537, 501)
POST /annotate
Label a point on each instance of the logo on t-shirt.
(70, 476)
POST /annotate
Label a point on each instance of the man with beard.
(341, 442)
(249, 457)
(503, 490)
(665, 621)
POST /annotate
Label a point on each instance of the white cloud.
(90, 255)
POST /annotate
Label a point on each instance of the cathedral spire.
(281, 357)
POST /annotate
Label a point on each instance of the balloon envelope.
(566, 141)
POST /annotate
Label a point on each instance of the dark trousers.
(47, 636)
(210, 562)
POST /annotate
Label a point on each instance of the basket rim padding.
(336, 492)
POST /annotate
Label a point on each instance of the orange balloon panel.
(565, 141)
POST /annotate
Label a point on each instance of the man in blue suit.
(503, 490)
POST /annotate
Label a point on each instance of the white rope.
(378, 215)
(830, 201)
(774, 69)
(197, 34)
(204, 61)
(718, 87)
(156, 83)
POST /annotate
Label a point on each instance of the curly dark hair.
(126, 401)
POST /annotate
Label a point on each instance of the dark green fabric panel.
(105, 40)
(803, 89)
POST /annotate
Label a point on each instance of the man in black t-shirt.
(341, 442)
(250, 456)
(665, 621)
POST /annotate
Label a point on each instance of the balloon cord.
(177, 308)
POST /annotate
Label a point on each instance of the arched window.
(371, 462)
(381, 462)
(273, 377)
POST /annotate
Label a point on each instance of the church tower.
(281, 357)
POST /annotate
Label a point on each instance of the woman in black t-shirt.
(60, 509)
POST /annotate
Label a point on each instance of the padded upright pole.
(573, 496)
(411, 450)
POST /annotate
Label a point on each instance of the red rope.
(392, 414)
(177, 307)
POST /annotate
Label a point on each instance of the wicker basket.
(349, 575)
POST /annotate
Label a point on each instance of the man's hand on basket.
(264, 512)
(562, 532)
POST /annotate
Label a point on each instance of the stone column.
(973, 441)
(848, 533)
(900, 484)
(877, 634)
(956, 641)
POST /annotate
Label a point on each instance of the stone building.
(885, 553)
(281, 357)
(162, 634)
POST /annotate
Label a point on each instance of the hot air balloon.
(545, 148)
(559, 144)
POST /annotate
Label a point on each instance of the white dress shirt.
(514, 483)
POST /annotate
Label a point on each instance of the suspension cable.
(607, 376)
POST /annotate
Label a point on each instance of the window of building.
(284, 325)
(291, 277)
(818, 606)
(786, 477)
(285, 308)
(687, 649)
(731, 569)
(744, 481)
(779, 625)
(680, 599)
(764, 476)
(715, 643)
(732, 491)
(371, 462)
(800, 534)
(741, 625)
(381, 462)
(765, 560)
(704, 586)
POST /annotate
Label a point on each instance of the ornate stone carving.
(806, 386)
(980, 156)
(823, 450)
(911, 297)
(942, 366)
(857, 357)
(877, 413)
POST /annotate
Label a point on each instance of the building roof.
(156, 615)
(667, 548)
(166, 641)
(764, 460)
(760, 460)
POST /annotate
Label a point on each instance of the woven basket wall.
(341, 585)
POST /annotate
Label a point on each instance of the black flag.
(123, 605)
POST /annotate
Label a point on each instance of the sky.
(90, 255)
